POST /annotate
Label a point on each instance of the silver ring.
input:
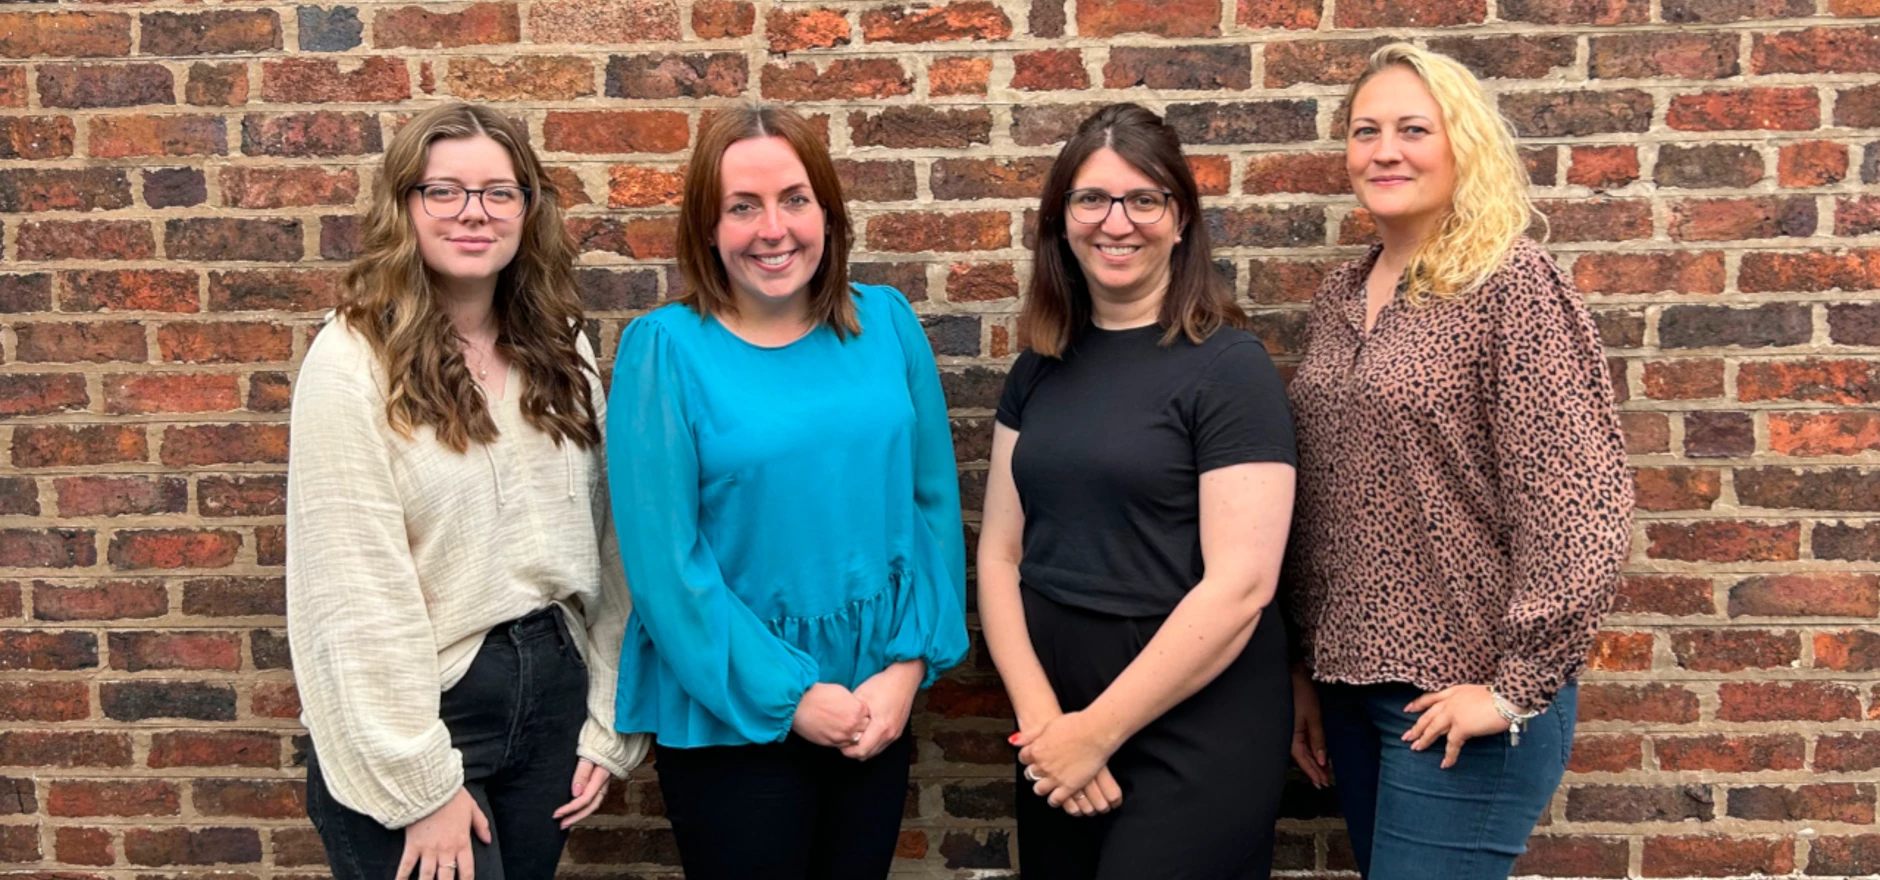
(855, 740)
(450, 867)
(1030, 773)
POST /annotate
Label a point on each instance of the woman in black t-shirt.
(1136, 515)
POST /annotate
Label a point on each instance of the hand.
(590, 785)
(1462, 712)
(1065, 754)
(1100, 796)
(889, 695)
(1308, 743)
(438, 845)
(829, 715)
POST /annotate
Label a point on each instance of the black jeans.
(516, 717)
(785, 811)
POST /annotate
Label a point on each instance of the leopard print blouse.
(1464, 503)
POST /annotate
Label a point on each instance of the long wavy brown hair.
(392, 300)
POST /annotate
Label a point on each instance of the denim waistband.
(534, 625)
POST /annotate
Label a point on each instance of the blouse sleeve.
(935, 629)
(720, 653)
(1565, 492)
(369, 694)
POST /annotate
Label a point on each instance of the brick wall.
(177, 189)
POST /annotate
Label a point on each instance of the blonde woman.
(453, 622)
(1463, 501)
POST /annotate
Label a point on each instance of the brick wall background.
(177, 187)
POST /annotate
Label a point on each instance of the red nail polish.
(1013, 739)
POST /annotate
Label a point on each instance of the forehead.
(1393, 93)
(761, 163)
(1107, 169)
(471, 160)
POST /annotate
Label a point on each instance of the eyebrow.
(495, 181)
(1400, 119)
(789, 189)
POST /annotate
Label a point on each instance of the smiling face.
(1122, 260)
(770, 230)
(1397, 151)
(473, 246)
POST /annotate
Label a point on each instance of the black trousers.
(784, 811)
(1201, 785)
(516, 716)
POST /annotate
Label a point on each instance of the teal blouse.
(788, 516)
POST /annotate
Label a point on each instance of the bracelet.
(1516, 719)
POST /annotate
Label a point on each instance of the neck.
(1123, 314)
(1402, 237)
(471, 306)
(764, 316)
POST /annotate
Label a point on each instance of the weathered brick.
(1640, 803)
(1645, 433)
(329, 29)
(64, 749)
(64, 34)
(1677, 488)
(795, 30)
(1648, 703)
(1774, 324)
(270, 392)
(1723, 541)
(1177, 18)
(301, 135)
(1764, 272)
(921, 127)
(78, 445)
(1729, 753)
(1265, 122)
(1817, 50)
(1049, 70)
(249, 798)
(121, 495)
(957, 20)
(1597, 219)
(909, 278)
(89, 86)
(1680, 271)
(25, 293)
(1603, 168)
(1779, 109)
(885, 180)
(192, 846)
(1043, 125)
(1672, 55)
(948, 77)
(1518, 56)
(1858, 107)
(198, 445)
(1577, 113)
(242, 495)
(144, 700)
(988, 178)
(1385, 14)
(234, 597)
(1839, 856)
(19, 496)
(1811, 163)
(47, 650)
(225, 342)
(479, 24)
(214, 748)
(105, 600)
(661, 76)
(217, 85)
(26, 190)
(86, 240)
(44, 701)
(1702, 166)
(1853, 650)
(219, 32)
(1734, 650)
(616, 131)
(233, 239)
(118, 137)
(133, 549)
(843, 78)
(1740, 219)
(291, 187)
(643, 238)
(1786, 701)
(1845, 382)
(1712, 11)
(1824, 433)
(1823, 594)
(1330, 62)
(292, 290)
(1847, 753)
(89, 797)
(723, 19)
(929, 231)
(1618, 651)
(604, 22)
(30, 394)
(275, 699)
(36, 137)
(1186, 67)
(1556, 855)
(369, 80)
(1840, 489)
(175, 187)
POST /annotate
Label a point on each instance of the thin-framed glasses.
(1142, 207)
(446, 201)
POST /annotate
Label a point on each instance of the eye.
(1148, 200)
(740, 208)
(798, 201)
(1089, 198)
(503, 195)
(443, 193)
(1364, 131)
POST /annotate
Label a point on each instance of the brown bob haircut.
(1057, 307)
(707, 289)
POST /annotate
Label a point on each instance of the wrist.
(1105, 727)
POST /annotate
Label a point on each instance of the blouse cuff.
(1528, 686)
(618, 753)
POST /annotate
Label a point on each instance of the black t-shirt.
(1113, 440)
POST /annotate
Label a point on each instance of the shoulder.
(882, 302)
(1233, 355)
(670, 325)
(340, 354)
(1530, 275)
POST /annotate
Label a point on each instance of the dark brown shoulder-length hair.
(707, 290)
(1057, 306)
(392, 300)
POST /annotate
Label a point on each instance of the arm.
(721, 654)
(370, 693)
(1001, 610)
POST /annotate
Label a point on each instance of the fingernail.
(1013, 739)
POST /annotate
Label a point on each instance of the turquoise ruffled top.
(787, 516)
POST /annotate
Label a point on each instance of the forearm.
(1002, 618)
(1200, 639)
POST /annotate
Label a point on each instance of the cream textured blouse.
(402, 554)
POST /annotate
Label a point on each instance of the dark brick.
(331, 29)
(1577, 113)
(175, 187)
(1704, 166)
(210, 33)
(87, 86)
(663, 76)
(144, 700)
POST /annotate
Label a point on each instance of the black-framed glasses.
(448, 200)
(1093, 206)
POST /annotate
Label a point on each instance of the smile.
(774, 261)
(1119, 250)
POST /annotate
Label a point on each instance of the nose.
(473, 210)
(772, 227)
(1388, 149)
(1117, 223)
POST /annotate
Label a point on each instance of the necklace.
(482, 367)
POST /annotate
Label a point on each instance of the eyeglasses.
(1142, 207)
(448, 200)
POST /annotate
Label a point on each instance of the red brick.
(1297, 226)
(1708, 166)
(88, 342)
(1621, 652)
(27, 190)
(840, 79)
(1598, 219)
(44, 701)
(1561, 856)
(118, 137)
(1853, 650)
(233, 239)
(198, 445)
(1836, 856)
(275, 699)
(1824, 594)
(270, 392)
(141, 651)
(530, 77)
(19, 844)
(298, 186)
(1214, 175)
(41, 650)
(210, 33)
(643, 238)
(1603, 168)
(36, 137)
(1209, 68)
(175, 187)
(19, 496)
(921, 127)
(121, 495)
(171, 393)
(981, 282)
(1621, 328)
(1635, 804)
(1021, 178)
(414, 27)
(569, 191)
(292, 290)
(1677, 488)
(909, 278)
(927, 231)
(1811, 163)
(104, 600)
(84, 846)
(1615, 753)
(958, 20)
(1317, 173)
(616, 131)
(1817, 50)
(1673, 55)
(794, 31)
(86, 240)
(1516, 56)
(1858, 107)
(1739, 219)
(27, 394)
(1329, 62)
(1645, 703)
(1847, 753)
(1825, 433)
(1841, 802)
(1854, 270)
(235, 597)
(225, 342)
(242, 495)
(320, 133)
(78, 445)
(146, 797)
(1043, 125)
(1257, 122)
(606, 22)
(90, 86)
(1681, 271)
(1787, 701)
(216, 85)
(1687, 379)
(1722, 753)
(1176, 18)
(723, 19)
(192, 846)
(1688, 11)
(1761, 326)
(1717, 856)
(13, 86)
(1051, 70)
(1723, 541)
(948, 77)
(26, 292)
(1386, 14)
(1734, 650)
(173, 548)
(64, 34)
(1846, 382)
(250, 798)
(369, 80)
(1840, 489)
(876, 180)
(1778, 109)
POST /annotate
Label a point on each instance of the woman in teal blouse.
(782, 465)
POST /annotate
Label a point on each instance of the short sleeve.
(1018, 385)
(1239, 413)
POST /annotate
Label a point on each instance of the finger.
(1094, 796)
(1454, 751)
(1044, 787)
(1057, 797)
(479, 823)
(406, 862)
(1416, 730)
(427, 866)
(466, 865)
(1315, 737)
(1022, 738)
(1027, 756)
(1072, 807)
(579, 808)
(600, 792)
(1421, 703)
(1436, 729)
(1111, 791)
(1303, 758)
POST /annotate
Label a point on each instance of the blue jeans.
(1412, 820)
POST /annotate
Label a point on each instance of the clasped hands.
(1067, 760)
(863, 722)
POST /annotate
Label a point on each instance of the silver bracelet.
(1516, 719)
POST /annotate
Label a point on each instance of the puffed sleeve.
(718, 651)
(369, 694)
(1566, 496)
(934, 629)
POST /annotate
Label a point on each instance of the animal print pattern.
(1464, 504)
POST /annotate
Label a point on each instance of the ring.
(1030, 773)
(856, 740)
(450, 867)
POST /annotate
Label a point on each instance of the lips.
(774, 262)
(472, 244)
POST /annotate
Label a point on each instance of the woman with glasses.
(454, 604)
(1136, 513)
(797, 556)
(1464, 500)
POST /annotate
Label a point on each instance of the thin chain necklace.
(482, 367)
